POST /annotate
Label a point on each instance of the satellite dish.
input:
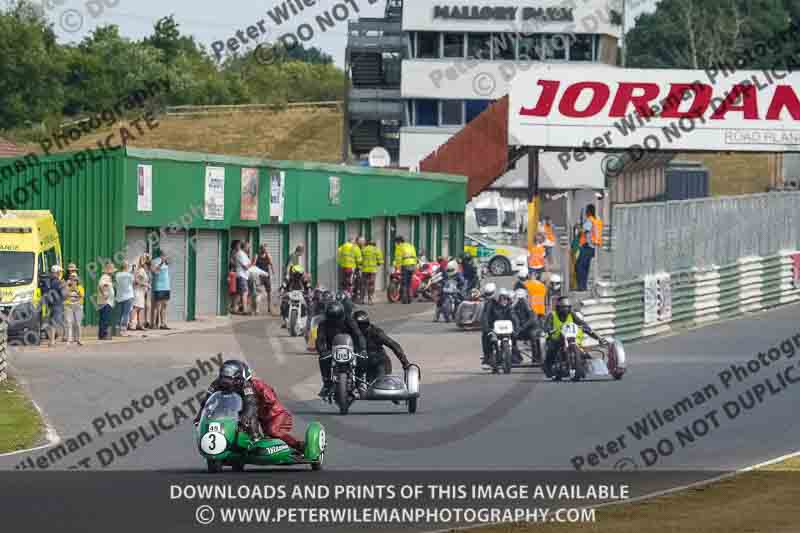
(379, 157)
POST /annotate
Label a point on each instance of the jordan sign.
(684, 110)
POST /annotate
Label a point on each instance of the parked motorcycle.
(221, 443)
(501, 353)
(298, 313)
(348, 386)
(422, 283)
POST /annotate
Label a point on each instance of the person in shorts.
(161, 289)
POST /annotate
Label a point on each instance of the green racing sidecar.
(221, 443)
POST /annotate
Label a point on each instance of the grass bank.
(21, 426)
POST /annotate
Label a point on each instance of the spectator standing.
(295, 258)
(405, 258)
(550, 239)
(54, 299)
(591, 237)
(242, 262)
(252, 282)
(73, 308)
(537, 262)
(264, 262)
(124, 297)
(105, 302)
(72, 268)
(372, 259)
(348, 257)
(161, 289)
(141, 289)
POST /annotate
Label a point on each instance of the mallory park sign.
(510, 13)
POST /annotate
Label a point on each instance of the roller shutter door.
(352, 229)
(404, 228)
(446, 236)
(327, 245)
(430, 253)
(208, 274)
(136, 244)
(436, 245)
(272, 236)
(379, 236)
(175, 247)
(298, 235)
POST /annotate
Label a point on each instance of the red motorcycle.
(424, 283)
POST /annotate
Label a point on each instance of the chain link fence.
(682, 235)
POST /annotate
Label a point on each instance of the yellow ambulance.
(29, 247)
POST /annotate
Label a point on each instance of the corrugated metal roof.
(198, 157)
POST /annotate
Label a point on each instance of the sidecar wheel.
(214, 467)
(317, 465)
(238, 467)
(412, 405)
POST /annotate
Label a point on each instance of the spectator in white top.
(124, 280)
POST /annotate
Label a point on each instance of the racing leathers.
(552, 326)
(326, 331)
(263, 412)
(296, 282)
(492, 313)
(448, 279)
(379, 363)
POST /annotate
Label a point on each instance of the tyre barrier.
(698, 297)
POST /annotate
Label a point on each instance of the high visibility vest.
(373, 258)
(405, 255)
(557, 324)
(597, 232)
(536, 256)
(346, 256)
(537, 296)
(549, 233)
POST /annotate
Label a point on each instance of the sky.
(210, 21)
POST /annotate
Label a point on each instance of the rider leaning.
(563, 314)
(336, 322)
(377, 340)
(263, 411)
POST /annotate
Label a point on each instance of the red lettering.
(641, 102)
(700, 103)
(784, 97)
(545, 103)
(600, 95)
(749, 105)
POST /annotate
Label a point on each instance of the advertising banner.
(249, 209)
(612, 108)
(657, 298)
(144, 188)
(215, 193)
(276, 194)
(334, 190)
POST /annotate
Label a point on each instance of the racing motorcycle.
(468, 312)
(220, 441)
(423, 283)
(451, 296)
(576, 364)
(501, 353)
(298, 313)
(349, 386)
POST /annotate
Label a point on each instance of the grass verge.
(21, 425)
(762, 501)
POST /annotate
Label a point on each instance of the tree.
(695, 34)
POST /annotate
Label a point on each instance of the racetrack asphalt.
(467, 419)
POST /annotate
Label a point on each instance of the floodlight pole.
(534, 202)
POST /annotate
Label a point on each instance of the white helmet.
(452, 267)
(555, 280)
(489, 289)
(521, 294)
(523, 274)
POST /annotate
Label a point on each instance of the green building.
(119, 204)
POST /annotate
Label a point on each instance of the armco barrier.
(698, 296)
(3, 344)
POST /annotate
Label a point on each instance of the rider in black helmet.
(234, 376)
(336, 322)
(562, 313)
(379, 362)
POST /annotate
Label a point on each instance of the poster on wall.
(144, 188)
(277, 182)
(334, 190)
(249, 209)
(215, 193)
(657, 299)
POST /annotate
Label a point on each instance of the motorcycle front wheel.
(342, 394)
(506, 359)
(293, 323)
(576, 363)
(393, 291)
(214, 466)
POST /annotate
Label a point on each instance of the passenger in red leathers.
(263, 411)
